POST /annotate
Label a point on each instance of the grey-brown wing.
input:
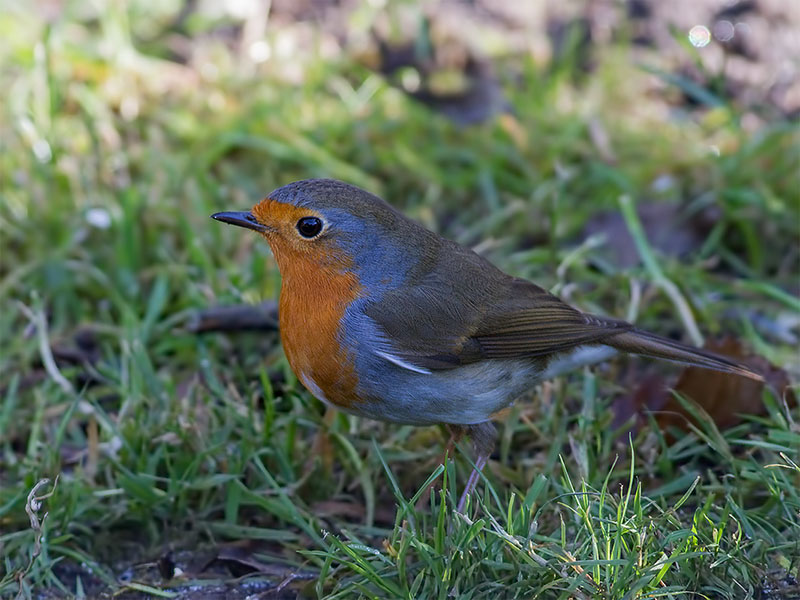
(529, 321)
(435, 325)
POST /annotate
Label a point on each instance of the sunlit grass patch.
(120, 136)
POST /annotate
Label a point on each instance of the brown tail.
(649, 344)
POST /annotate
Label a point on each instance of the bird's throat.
(312, 304)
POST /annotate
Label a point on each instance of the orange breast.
(314, 297)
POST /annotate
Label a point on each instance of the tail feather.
(636, 341)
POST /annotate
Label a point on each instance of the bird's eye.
(309, 227)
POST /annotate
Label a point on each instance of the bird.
(382, 318)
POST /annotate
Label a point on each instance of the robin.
(385, 319)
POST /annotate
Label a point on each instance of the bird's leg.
(483, 440)
(456, 433)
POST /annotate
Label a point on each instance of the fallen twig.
(241, 317)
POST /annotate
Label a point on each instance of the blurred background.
(512, 127)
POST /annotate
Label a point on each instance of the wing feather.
(435, 327)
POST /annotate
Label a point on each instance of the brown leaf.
(241, 559)
(723, 396)
(670, 228)
(649, 396)
(449, 77)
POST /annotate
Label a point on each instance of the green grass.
(170, 439)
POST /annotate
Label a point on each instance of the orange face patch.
(316, 289)
(281, 219)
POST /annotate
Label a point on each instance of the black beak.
(242, 219)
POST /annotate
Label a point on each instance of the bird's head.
(333, 224)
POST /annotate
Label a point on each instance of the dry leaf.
(723, 396)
